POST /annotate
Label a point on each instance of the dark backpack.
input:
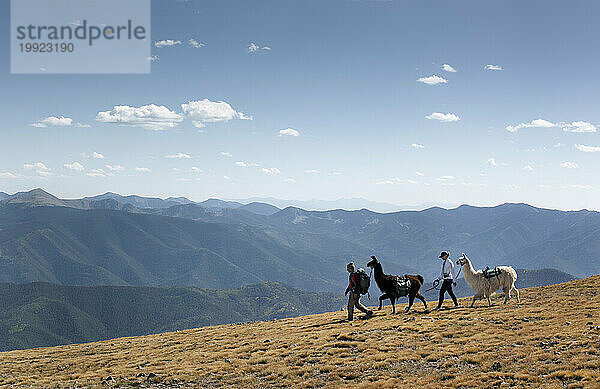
(363, 281)
(491, 273)
(401, 287)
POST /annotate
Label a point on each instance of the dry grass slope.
(551, 339)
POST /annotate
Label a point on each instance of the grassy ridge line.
(551, 339)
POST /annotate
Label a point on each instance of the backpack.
(363, 281)
(491, 273)
(401, 287)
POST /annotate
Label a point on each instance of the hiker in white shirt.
(447, 276)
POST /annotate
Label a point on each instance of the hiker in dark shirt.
(354, 298)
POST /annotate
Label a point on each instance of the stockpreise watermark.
(80, 36)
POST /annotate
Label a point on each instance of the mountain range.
(99, 242)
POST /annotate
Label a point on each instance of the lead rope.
(435, 287)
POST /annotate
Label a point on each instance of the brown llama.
(386, 283)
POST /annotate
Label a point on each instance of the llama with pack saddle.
(394, 287)
(486, 282)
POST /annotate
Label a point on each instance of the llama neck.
(468, 270)
(378, 269)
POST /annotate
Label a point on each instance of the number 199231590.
(47, 47)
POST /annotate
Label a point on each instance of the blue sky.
(343, 75)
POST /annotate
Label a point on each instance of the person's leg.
(451, 293)
(351, 306)
(359, 305)
(442, 291)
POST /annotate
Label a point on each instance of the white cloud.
(151, 117)
(195, 44)
(179, 156)
(166, 43)
(40, 168)
(445, 178)
(559, 145)
(115, 168)
(392, 181)
(419, 174)
(96, 173)
(142, 169)
(579, 186)
(578, 126)
(493, 67)
(290, 180)
(443, 117)
(413, 182)
(97, 155)
(242, 164)
(74, 166)
(312, 171)
(448, 68)
(569, 165)
(206, 111)
(418, 146)
(537, 123)
(272, 170)
(8, 175)
(196, 169)
(53, 121)
(226, 154)
(253, 47)
(432, 80)
(528, 168)
(492, 162)
(588, 149)
(153, 58)
(289, 132)
(226, 178)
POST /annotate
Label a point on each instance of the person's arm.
(350, 285)
(453, 273)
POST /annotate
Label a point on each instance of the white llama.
(484, 287)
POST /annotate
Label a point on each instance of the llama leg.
(506, 294)
(420, 297)
(489, 299)
(411, 300)
(516, 294)
(381, 298)
(393, 300)
(475, 297)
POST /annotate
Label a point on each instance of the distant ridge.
(142, 202)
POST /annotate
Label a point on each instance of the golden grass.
(551, 339)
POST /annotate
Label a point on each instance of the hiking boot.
(369, 314)
(350, 319)
(437, 308)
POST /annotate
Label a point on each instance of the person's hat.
(350, 265)
(443, 254)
